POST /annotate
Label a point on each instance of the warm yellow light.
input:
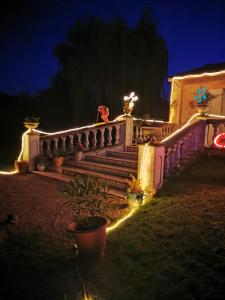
(198, 75)
(120, 221)
(74, 129)
(181, 128)
(19, 157)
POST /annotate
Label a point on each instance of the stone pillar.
(31, 149)
(151, 166)
(129, 127)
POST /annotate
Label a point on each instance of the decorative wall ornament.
(128, 103)
(104, 111)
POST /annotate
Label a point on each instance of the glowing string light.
(19, 157)
(218, 139)
(198, 75)
(122, 220)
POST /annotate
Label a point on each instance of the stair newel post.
(31, 148)
(94, 138)
(86, 141)
(102, 130)
(109, 136)
(117, 135)
(129, 127)
(151, 166)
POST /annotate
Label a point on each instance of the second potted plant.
(58, 158)
(88, 197)
(135, 194)
(79, 148)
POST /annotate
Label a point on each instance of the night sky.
(194, 31)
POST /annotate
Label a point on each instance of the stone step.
(116, 193)
(103, 168)
(117, 182)
(122, 154)
(116, 161)
(132, 149)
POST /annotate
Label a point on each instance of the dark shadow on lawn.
(33, 266)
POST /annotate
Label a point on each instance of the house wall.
(182, 103)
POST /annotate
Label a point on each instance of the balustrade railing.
(91, 137)
(183, 146)
(144, 133)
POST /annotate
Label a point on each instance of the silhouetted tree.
(102, 62)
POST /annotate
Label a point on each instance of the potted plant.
(203, 96)
(88, 197)
(135, 193)
(21, 166)
(79, 148)
(58, 158)
(31, 122)
(41, 163)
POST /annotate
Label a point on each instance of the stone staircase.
(114, 165)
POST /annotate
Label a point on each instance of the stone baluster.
(63, 147)
(56, 146)
(86, 141)
(109, 136)
(167, 162)
(102, 130)
(78, 138)
(71, 143)
(178, 156)
(117, 135)
(41, 147)
(48, 150)
(94, 138)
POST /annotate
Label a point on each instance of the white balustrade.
(144, 133)
(183, 147)
(110, 134)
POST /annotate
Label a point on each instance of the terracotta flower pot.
(203, 108)
(41, 167)
(78, 155)
(91, 243)
(58, 161)
(21, 167)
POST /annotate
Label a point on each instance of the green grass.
(173, 248)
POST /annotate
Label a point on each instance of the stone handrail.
(91, 137)
(183, 146)
(144, 133)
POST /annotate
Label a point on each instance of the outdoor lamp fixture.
(128, 103)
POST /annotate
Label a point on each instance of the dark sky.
(29, 30)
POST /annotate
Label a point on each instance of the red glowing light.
(219, 140)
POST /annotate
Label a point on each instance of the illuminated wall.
(182, 104)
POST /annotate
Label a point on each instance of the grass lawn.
(172, 248)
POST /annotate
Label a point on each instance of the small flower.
(134, 185)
